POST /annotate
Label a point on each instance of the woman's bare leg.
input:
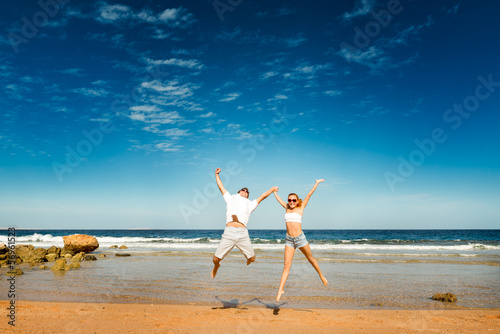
(307, 252)
(289, 252)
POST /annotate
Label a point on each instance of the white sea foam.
(47, 240)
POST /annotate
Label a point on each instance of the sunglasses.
(245, 190)
(292, 200)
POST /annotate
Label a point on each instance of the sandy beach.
(56, 317)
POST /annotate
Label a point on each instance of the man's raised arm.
(219, 182)
(267, 193)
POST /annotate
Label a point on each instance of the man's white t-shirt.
(240, 206)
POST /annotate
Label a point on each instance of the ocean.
(365, 269)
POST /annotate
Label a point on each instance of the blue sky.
(116, 114)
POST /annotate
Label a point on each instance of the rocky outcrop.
(122, 247)
(80, 243)
(30, 254)
(445, 297)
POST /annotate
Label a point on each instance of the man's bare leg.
(250, 260)
(216, 266)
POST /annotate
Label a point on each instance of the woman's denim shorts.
(298, 241)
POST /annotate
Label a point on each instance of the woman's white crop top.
(293, 217)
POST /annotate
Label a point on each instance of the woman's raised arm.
(306, 199)
(278, 198)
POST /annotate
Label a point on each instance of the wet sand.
(57, 317)
(183, 279)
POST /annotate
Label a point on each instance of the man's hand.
(320, 180)
(275, 189)
(217, 171)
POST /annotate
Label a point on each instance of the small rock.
(16, 271)
(68, 256)
(30, 247)
(114, 246)
(60, 265)
(122, 254)
(66, 251)
(4, 249)
(54, 250)
(90, 258)
(78, 257)
(102, 255)
(122, 247)
(51, 257)
(445, 297)
(44, 267)
(74, 265)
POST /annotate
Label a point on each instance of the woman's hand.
(275, 189)
(217, 171)
(320, 180)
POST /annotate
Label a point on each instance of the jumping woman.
(294, 235)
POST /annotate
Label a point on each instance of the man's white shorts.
(235, 236)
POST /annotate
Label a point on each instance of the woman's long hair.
(299, 201)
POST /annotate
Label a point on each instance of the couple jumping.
(238, 210)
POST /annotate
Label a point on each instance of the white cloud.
(230, 97)
(110, 13)
(269, 74)
(207, 130)
(174, 17)
(168, 147)
(100, 83)
(72, 71)
(171, 88)
(145, 108)
(278, 97)
(161, 34)
(91, 92)
(333, 92)
(171, 117)
(165, 146)
(30, 79)
(294, 41)
(363, 7)
(186, 63)
(208, 114)
(174, 133)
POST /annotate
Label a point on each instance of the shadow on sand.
(235, 303)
